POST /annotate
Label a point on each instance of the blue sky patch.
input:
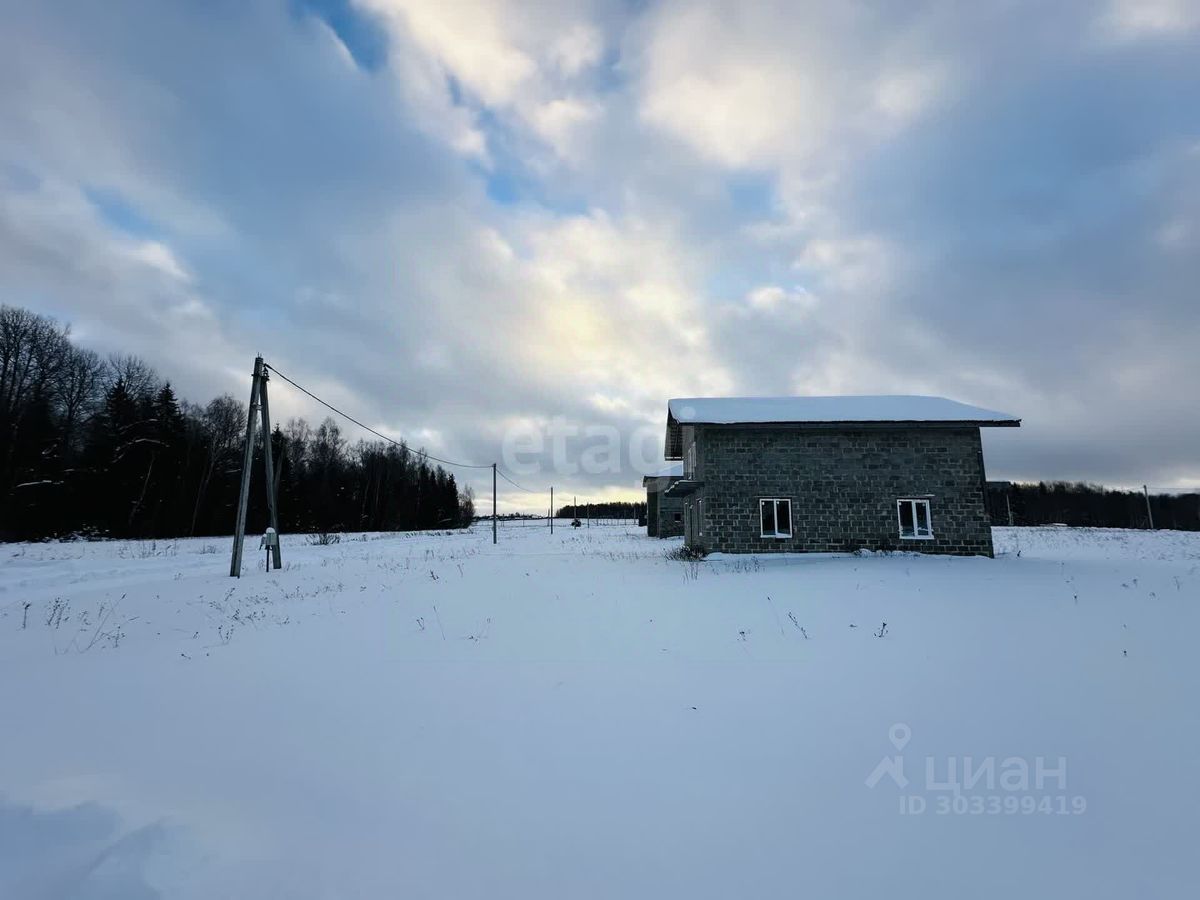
(118, 212)
(362, 35)
(752, 195)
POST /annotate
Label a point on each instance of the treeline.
(103, 448)
(1078, 503)
(610, 510)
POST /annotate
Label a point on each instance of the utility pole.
(257, 406)
(1149, 514)
(552, 509)
(493, 503)
(589, 515)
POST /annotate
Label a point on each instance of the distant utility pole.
(1149, 514)
(552, 509)
(259, 404)
(493, 503)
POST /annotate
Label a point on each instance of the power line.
(373, 431)
(513, 483)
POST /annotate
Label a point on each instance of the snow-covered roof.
(895, 408)
(873, 409)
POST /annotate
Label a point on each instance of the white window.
(689, 469)
(775, 516)
(916, 524)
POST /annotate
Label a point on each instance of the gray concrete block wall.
(843, 484)
(670, 517)
(664, 515)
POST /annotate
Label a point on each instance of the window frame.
(915, 504)
(775, 501)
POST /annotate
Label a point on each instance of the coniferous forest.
(612, 509)
(103, 447)
(1090, 505)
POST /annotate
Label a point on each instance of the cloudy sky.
(461, 218)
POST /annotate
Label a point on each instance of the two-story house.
(831, 474)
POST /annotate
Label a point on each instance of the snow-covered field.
(577, 716)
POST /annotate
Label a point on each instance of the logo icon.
(893, 766)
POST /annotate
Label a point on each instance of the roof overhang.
(683, 487)
(658, 482)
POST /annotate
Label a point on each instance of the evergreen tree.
(106, 447)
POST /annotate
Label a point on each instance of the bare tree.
(298, 434)
(141, 379)
(79, 391)
(33, 350)
(223, 421)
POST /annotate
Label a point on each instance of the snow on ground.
(579, 716)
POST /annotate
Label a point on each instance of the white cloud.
(124, 293)
(514, 59)
(159, 256)
(857, 266)
(423, 84)
(586, 274)
(1133, 19)
(1176, 235)
(905, 94)
(475, 40)
(779, 85)
(579, 47)
(772, 298)
(743, 101)
(561, 122)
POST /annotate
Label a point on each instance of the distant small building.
(664, 515)
(831, 474)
